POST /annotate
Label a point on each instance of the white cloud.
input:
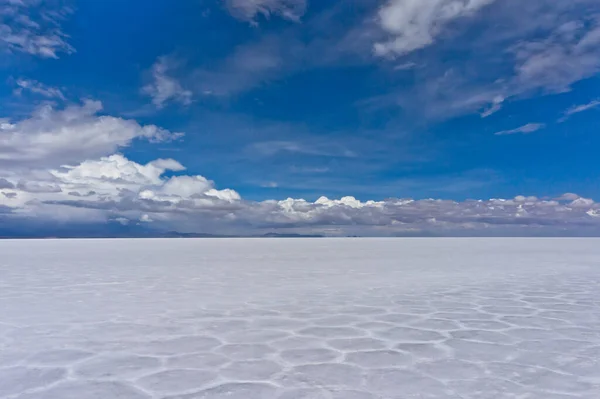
(508, 51)
(567, 54)
(274, 147)
(582, 203)
(31, 27)
(118, 189)
(570, 53)
(165, 88)
(249, 10)
(114, 187)
(349, 202)
(36, 87)
(115, 172)
(51, 136)
(594, 213)
(395, 216)
(494, 107)
(525, 129)
(568, 197)
(579, 108)
(415, 24)
(247, 67)
(51, 173)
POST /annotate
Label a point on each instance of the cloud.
(50, 136)
(116, 171)
(111, 186)
(414, 24)
(36, 87)
(34, 28)
(63, 163)
(6, 184)
(38, 187)
(568, 197)
(270, 148)
(164, 88)
(525, 129)
(249, 10)
(579, 108)
(569, 54)
(247, 67)
(494, 107)
(321, 41)
(115, 188)
(49, 173)
(506, 51)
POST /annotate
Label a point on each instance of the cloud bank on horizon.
(425, 110)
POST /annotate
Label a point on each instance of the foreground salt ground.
(300, 319)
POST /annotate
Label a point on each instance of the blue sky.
(391, 117)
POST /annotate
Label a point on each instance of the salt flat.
(300, 319)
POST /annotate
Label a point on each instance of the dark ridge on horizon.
(170, 234)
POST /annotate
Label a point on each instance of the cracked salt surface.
(300, 319)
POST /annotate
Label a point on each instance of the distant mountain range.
(175, 234)
(139, 234)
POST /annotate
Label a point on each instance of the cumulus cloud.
(116, 171)
(415, 24)
(164, 88)
(525, 129)
(52, 136)
(115, 187)
(568, 197)
(118, 189)
(33, 27)
(36, 87)
(249, 10)
(60, 165)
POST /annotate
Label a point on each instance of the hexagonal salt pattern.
(118, 320)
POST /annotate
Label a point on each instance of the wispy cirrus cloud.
(164, 88)
(414, 24)
(270, 148)
(525, 129)
(61, 165)
(249, 66)
(33, 86)
(576, 109)
(249, 10)
(33, 27)
(509, 50)
(568, 54)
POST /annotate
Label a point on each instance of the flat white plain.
(300, 318)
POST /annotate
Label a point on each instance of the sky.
(246, 117)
